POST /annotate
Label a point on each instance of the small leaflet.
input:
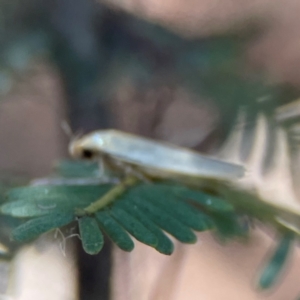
(91, 236)
(114, 231)
(34, 227)
(164, 245)
(134, 227)
(167, 222)
(272, 271)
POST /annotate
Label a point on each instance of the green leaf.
(211, 203)
(144, 210)
(77, 169)
(91, 236)
(164, 244)
(134, 226)
(34, 227)
(63, 193)
(183, 212)
(114, 231)
(42, 200)
(229, 225)
(166, 221)
(272, 271)
(26, 209)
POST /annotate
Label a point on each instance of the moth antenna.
(66, 128)
(76, 136)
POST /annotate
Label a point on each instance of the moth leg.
(102, 169)
(107, 170)
(130, 170)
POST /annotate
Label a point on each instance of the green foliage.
(91, 236)
(74, 169)
(144, 211)
(274, 267)
(34, 227)
(164, 244)
(36, 201)
(166, 221)
(114, 230)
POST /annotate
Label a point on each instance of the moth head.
(86, 148)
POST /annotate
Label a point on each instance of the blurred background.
(174, 70)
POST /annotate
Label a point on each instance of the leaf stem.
(110, 196)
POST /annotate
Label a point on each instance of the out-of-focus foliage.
(272, 270)
(7, 223)
(98, 46)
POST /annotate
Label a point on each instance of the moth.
(119, 151)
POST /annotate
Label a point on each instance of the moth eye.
(87, 154)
